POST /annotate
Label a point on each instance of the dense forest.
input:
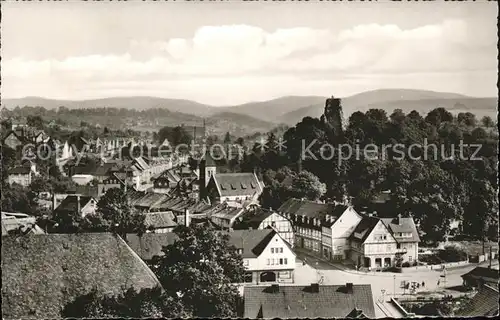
(433, 182)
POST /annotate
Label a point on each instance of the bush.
(406, 264)
(452, 254)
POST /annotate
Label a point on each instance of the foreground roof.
(42, 273)
(484, 303)
(332, 301)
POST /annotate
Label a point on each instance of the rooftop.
(311, 209)
(330, 301)
(42, 273)
(237, 184)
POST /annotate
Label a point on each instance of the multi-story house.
(379, 243)
(262, 218)
(23, 174)
(322, 228)
(267, 257)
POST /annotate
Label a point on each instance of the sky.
(228, 52)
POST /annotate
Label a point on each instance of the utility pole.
(394, 278)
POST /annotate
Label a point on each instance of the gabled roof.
(481, 272)
(42, 273)
(483, 304)
(254, 219)
(70, 204)
(253, 242)
(326, 213)
(312, 209)
(158, 220)
(364, 228)
(294, 301)
(405, 225)
(237, 184)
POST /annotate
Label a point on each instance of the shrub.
(406, 264)
(452, 254)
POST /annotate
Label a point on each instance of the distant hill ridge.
(288, 110)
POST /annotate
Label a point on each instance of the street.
(383, 283)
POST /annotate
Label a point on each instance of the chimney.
(187, 218)
(399, 219)
(349, 287)
(275, 288)
(315, 287)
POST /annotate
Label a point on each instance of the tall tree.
(201, 268)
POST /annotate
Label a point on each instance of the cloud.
(242, 51)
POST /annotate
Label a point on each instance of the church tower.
(208, 168)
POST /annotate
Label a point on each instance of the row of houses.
(337, 232)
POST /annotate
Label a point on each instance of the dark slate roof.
(237, 184)
(148, 200)
(253, 242)
(70, 204)
(149, 245)
(484, 303)
(20, 170)
(311, 209)
(481, 272)
(254, 219)
(158, 220)
(42, 273)
(332, 301)
(396, 225)
(364, 228)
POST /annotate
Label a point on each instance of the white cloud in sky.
(252, 58)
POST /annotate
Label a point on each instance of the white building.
(267, 257)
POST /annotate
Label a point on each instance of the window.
(272, 261)
(410, 258)
(272, 250)
(281, 250)
(246, 262)
(268, 261)
(281, 261)
(286, 261)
